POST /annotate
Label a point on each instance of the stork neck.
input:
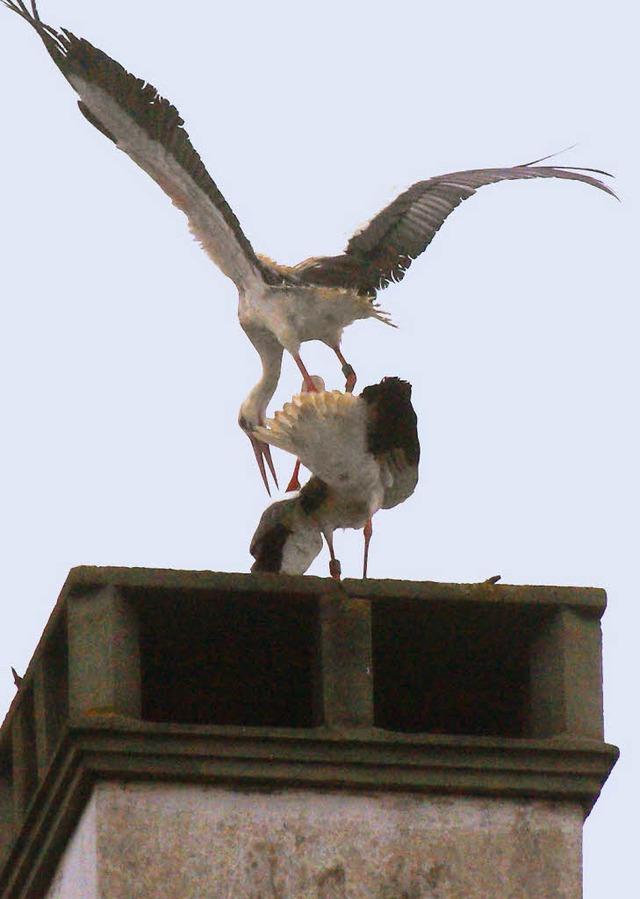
(270, 352)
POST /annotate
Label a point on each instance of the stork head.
(249, 418)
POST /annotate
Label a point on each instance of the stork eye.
(244, 424)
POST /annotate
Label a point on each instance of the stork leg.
(294, 483)
(347, 370)
(335, 569)
(308, 380)
(368, 531)
(308, 386)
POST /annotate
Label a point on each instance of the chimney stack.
(205, 734)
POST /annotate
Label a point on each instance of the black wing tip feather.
(384, 249)
(142, 102)
(53, 40)
(575, 168)
(77, 56)
(391, 386)
(393, 423)
(571, 173)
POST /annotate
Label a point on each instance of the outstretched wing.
(383, 250)
(327, 431)
(150, 131)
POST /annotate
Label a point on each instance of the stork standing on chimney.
(363, 452)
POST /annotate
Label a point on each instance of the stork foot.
(350, 375)
(335, 569)
(347, 370)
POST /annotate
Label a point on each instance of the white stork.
(363, 452)
(280, 307)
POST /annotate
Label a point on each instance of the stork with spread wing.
(280, 307)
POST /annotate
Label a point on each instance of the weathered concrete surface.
(77, 874)
(161, 840)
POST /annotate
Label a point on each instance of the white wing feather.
(206, 222)
(327, 431)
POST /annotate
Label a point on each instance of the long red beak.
(263, 453)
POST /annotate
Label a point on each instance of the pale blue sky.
(122, 365)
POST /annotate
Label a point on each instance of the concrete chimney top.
(253, 682)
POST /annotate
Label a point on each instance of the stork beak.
(263, 453)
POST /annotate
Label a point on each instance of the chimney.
(190, 734)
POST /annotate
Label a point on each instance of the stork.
(363, 452)
(280, 307)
